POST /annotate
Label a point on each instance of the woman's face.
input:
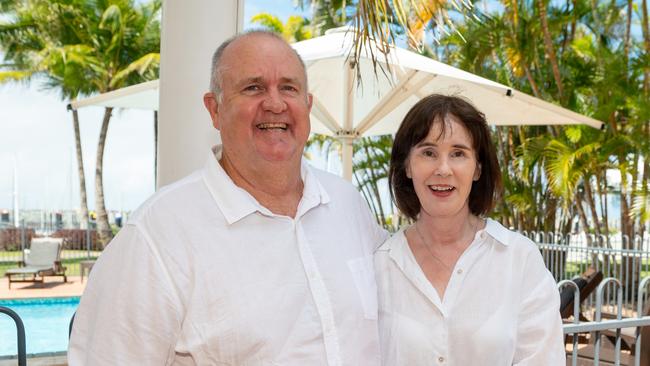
(443, 168)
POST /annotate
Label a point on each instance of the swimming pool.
(46, 323)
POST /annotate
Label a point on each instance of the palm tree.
(108, 44)
(35, 54)
(295, 29)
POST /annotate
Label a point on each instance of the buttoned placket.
(320, 295)
(446, 304)
(462, 267)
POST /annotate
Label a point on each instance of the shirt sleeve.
(129, 313)
(375, 231)
(539, 326)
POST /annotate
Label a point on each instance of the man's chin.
(279, 152)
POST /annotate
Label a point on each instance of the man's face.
(264, 112)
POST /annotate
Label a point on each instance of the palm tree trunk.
(548, 47)
(583, 219)
(531, 80)
(103, 228)
(573, 21)
(601, 184)
(591, 202)
(83, 197)
(628, 38)
(646, 184)
(626, 227)
(373, 185)
(646, 36)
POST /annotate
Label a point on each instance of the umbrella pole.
(346, 156)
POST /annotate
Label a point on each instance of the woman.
(456, 288)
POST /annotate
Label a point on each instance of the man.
(257, 259)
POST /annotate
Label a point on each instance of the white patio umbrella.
(377, 106)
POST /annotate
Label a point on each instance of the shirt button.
(460, 271)
(441, 359)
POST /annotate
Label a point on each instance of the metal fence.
(78, 245)
(616, 341)
(568, 256)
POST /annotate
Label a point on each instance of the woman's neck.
(457, 230)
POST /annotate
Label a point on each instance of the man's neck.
(278, 187)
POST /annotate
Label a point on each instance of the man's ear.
(211, 104)
(310, 101)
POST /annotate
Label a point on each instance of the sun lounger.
(42, 259)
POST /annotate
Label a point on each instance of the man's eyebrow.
(259, 80)
(290, 80)
(251, 80)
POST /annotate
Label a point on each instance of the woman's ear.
(477, 171)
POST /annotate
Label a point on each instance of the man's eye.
(253, 87)
(290, 88)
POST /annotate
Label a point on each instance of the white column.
(191, 31)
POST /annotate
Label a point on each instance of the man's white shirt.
(202, 274)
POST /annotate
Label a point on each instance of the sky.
(37, 142)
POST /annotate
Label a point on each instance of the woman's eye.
(428, 153)
(458, 154)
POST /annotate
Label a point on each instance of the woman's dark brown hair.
(416, 126)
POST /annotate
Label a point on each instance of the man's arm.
(129, 314)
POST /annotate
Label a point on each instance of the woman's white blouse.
(500, 308)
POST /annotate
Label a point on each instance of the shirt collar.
(398, 249)
(499, 233)
(236, 203)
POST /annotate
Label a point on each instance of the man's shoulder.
(172, 197)
(334, 184)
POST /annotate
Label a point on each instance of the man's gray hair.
(216, 73)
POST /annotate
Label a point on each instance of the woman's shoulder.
(396, 239)
(509, 238)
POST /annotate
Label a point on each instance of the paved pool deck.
(52, 287)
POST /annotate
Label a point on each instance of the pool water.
(46, 323)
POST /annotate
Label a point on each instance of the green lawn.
(573, 269)
(71, 259)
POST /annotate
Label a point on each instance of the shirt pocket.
(363, 274)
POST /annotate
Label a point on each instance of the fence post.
(23, 239)
(642, 295)
(598, 318)
(88, 236)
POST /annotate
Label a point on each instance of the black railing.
(20, 330)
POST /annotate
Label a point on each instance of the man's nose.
(274, 102)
